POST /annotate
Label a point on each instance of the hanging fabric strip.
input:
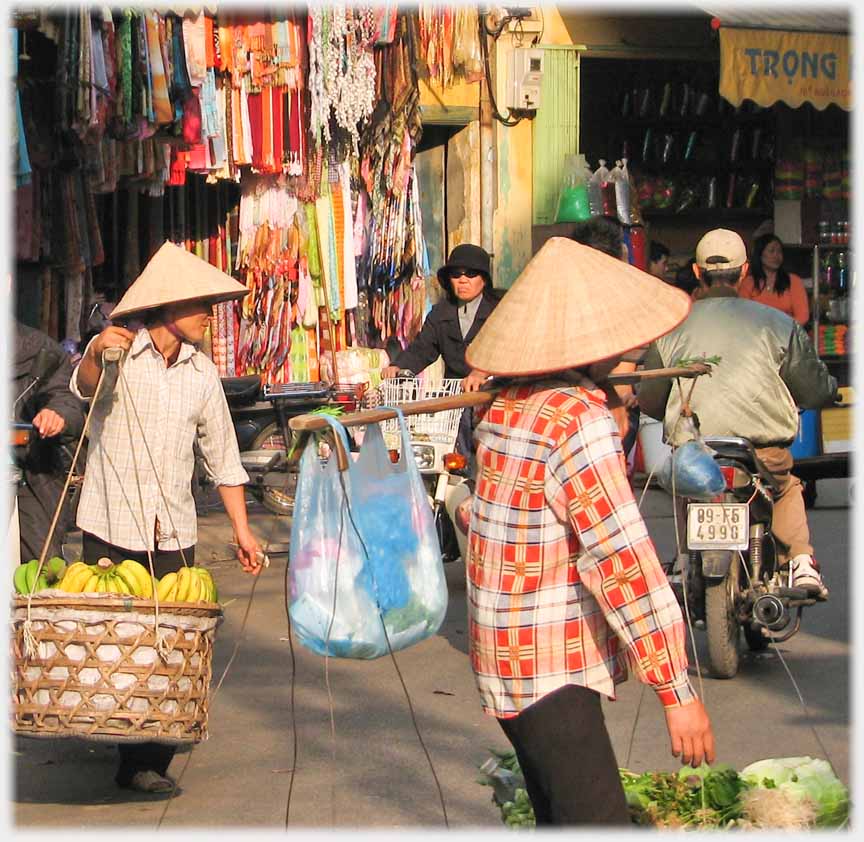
(161, 101)
(349, 273)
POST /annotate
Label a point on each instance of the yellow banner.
(797, 67)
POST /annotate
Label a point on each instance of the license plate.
(718, 526)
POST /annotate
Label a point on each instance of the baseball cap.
(721, 249)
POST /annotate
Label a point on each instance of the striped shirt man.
(155, 412)
(564, 584)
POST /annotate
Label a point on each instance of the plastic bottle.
(828, 270)
(842, 276)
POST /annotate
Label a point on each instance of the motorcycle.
(433, 440)
(260, 415)
(733, 580)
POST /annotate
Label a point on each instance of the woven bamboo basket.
(96, 673)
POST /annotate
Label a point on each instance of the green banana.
(32, 567)
(20, 579)
(55, 568)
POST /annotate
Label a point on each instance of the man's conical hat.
(173, 276)
(571, 306)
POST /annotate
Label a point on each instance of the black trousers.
(139, 757)
(35, 513)
(565, 754)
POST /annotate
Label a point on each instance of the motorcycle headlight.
(424, 456)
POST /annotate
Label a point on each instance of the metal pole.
(488, 158)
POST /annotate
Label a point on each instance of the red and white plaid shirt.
(564, 585)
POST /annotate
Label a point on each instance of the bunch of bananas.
(26, 580)
(128, 577)
(188, 584)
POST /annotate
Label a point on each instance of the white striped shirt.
(164, 410)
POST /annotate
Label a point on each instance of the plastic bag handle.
(341, 440)
(403, 427)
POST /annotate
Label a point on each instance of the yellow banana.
(207, 578)
(91, 585)
(166, 587)
(127, 582)
(112, 584)
(76, 575)
(195, 587)
(184, 581)
(204, 595)
(192, 591)
(137, 576)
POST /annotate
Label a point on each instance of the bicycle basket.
(437, 427)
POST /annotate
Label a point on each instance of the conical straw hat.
(573, 305)
(175, 275)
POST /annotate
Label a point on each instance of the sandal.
(150, 782)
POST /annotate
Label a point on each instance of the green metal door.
(555, 129)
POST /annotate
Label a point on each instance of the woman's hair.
(656, 251)
(757, 270)
(600, 233)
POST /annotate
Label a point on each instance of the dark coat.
(441, 335)
(46, 464)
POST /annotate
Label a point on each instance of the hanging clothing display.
(449, 45)
(278, 146)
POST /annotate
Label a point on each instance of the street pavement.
(359, 760)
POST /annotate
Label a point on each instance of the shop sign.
(796, 67)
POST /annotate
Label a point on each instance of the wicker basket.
(97, 674)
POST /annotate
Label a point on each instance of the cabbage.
(804, 777)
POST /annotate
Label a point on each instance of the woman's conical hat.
(173, 276)
(573, 305)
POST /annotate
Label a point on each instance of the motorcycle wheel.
(721, 624)
(279, 501)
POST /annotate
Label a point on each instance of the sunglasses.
(462, 273)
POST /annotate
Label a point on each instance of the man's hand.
(111, 337)
(690, 733)
(90, 367)
(248, 551)
(390, 371)
(49, 423)
(475, 380)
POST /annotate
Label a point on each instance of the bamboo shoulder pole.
(310, 422)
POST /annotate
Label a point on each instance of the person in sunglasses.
(455, 320)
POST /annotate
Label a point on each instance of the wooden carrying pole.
(310, 422)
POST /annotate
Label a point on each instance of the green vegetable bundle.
(705, 797)
(791, 793)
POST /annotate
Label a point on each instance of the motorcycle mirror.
(46, 363)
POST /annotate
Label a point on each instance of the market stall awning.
(793, 58)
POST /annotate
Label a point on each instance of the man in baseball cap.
(768, 368)
(721, 249)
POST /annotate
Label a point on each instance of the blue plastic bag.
(364, 552)
(696, 474)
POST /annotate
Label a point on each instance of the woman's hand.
(390, 371)
(475, 380)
